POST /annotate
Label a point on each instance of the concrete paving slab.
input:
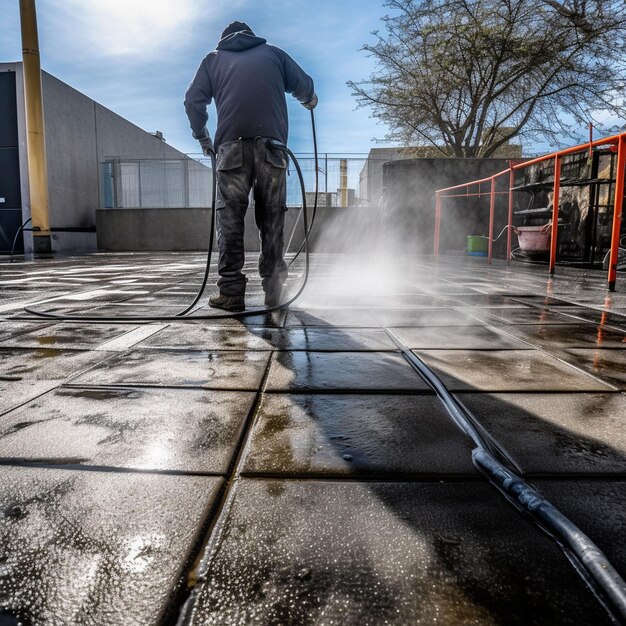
(425, 317)
(598, 316)
(188, 336)
(121, 312)
(492, 287)
(158, 429)
(331, 339)
(525, 316)
(506, 370)
(457, 337)
(343, 372)
(45, 363)
(109, 295)
(73, 336)
(556, 433)
(126, 341)
(608, 365)
(449, 290)
(160, 298)
(541, 301)
(200, 336)
(54, 306)
(181, 368)
(356, 436)
(35, 299)
(486, 300)
(559, 337)
(275, 319)
(81, 547)
(355, 318)
(13, 329)
(14, 393)
(295, 552)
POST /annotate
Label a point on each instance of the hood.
(243, 40)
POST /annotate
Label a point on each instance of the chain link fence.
(343, 181)
(155, 183)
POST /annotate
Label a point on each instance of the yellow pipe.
(36, 140)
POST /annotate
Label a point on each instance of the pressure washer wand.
(315, 198)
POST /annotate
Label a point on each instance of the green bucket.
(477, 245)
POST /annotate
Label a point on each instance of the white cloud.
(138, 56)
(115, 28)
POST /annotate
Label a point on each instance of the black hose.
(590, 562)
(603, 576)
(185, 312)
(207, 269)
(315, 199)
(20, 230)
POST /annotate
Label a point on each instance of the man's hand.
(205, 141)
(311, 104)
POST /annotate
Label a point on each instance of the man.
(248, 79)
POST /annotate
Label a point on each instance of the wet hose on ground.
(590, 562)
(491, 461)
(185, 313)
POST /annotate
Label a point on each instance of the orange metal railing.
(619, 141)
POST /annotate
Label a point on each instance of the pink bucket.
(534, 239)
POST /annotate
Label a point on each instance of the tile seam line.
(51, 464)
(209, 544)
(376, 478)
(173, 350)
(271, 349)
(577, 477)
(299, 391)
(19, 406)
(555, 309)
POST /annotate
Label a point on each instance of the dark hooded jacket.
(248, 79)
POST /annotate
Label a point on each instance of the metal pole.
(617, 211)
(509, 234)
(555, 212)
(343, 176)
(437, 223)
(492, 211)
(36, 140)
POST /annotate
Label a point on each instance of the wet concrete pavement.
(293, 468)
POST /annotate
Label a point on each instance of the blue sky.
(137, 57)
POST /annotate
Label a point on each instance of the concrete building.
(371, 177)
(95, 160)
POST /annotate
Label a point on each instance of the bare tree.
(466, 76)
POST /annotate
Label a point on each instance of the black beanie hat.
(236, 27)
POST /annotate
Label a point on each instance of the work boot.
(273, 295)
(227, 303)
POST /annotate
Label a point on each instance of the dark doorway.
(10, 194)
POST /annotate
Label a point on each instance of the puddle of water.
(100, 394)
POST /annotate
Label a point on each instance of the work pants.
(244, 165)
